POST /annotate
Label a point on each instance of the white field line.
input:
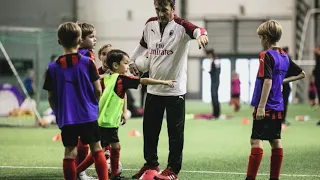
(185, 171)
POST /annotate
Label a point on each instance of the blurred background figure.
(29, 83)
(312, 91)
(53, 57)
(235, 91)
(316, 73)
(215, 82)
(286, 92)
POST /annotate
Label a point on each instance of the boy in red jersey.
(86, 49)
(88, 40)
(267, 99)
(73, 93)
(111, 106)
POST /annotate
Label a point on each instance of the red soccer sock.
(69, 169)
(101, 166)
(276, 162)
(82, 152)
(114, 158)
(88, 161)
(254, 162)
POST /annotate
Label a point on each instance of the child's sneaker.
(84, 176)
(167, 174)
(143, 169)
(117, 177)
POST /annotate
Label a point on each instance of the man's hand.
(170, 83)
(124, 118)
(133, 69)
(260, 114)
(202, 41)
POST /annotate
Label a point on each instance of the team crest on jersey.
(171, 33)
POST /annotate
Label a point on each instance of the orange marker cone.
(245, 121)
(284, 127)
(134, 133)
(57, 137)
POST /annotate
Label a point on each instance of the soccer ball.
(109, 166)
(143, 62)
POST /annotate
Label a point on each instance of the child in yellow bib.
(111, 103)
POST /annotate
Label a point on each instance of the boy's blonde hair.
(69, 34)
(86, 29)
(103, 47)
(270, 30)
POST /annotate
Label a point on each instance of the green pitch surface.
(215, 150)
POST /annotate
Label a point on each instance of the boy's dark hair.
(165, 3)
(285, 49)
(86, 29)
(69, 34)
(115, 56)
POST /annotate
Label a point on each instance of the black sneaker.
(117, 177)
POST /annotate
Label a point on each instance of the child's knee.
(116, 145)
(256, 143)
(70, 152)
(94, 147)
(276, 143)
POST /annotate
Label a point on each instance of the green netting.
(37, 45)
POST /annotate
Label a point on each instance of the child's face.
(123, 67)
(103, 55)
(90, 41)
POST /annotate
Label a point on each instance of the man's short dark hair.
(165, 2)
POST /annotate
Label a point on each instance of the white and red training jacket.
(168, 53)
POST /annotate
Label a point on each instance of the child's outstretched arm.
(149, 81)
(263, 99)
(294, 78)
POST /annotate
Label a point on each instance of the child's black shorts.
(108, 136)
(269, 128)
(88, 132)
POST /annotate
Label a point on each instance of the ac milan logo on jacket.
(171, 33)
